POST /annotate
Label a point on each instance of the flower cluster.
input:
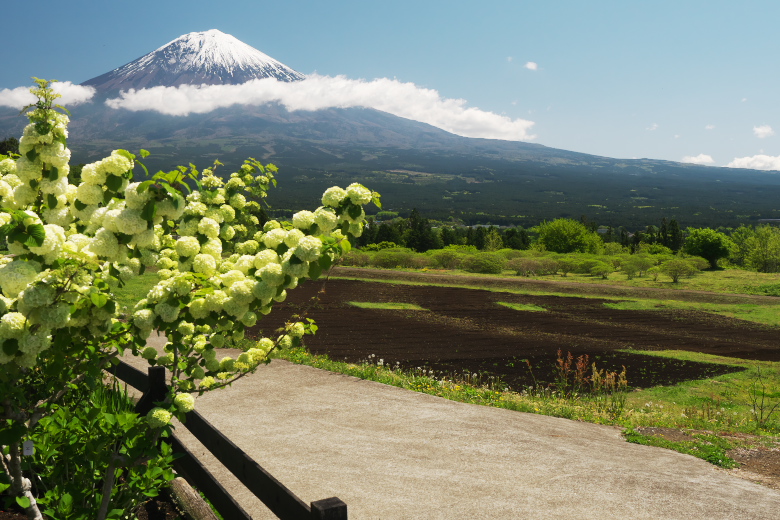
(71, 245)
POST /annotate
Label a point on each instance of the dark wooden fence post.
(329, 509)
(156, 392)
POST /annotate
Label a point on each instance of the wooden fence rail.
(280, 500)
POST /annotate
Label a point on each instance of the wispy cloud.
(756, 162)
(72, 94)
(319, 92)
(709, 127)
(531, 65)
(652, 127)
(698, 159)
(509, 59)
(763, 131)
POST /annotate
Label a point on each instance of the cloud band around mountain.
(316, 92)
(20, 97)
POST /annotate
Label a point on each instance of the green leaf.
(31, 155)
(149, 211)
(79, 205)
(144, 186)
(315, 270)
(24, 502)
(107, 196)
(11, 434)
(144, 153)
(125, 153)
(114, 182)
(3, 487)
(375, 198)
(325, 262)
(354, 211)
(51, 200)
(37, 234)
(54, 173)
(98, 299)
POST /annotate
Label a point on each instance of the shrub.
(392, 258)
(445, 258)
(486, 263)
(601, 269)
(356, 259)
(525, 266)
(677, 268)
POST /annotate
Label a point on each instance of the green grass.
(387, 306)
(705, 446)
(135, 290)
(764, 314)
(523, 306)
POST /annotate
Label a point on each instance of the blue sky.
(661, 79)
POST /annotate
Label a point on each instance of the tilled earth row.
(468, 331)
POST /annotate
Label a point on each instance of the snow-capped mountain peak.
(210, 57)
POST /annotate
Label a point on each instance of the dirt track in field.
(466, 330)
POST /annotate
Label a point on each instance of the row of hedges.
(522, 263)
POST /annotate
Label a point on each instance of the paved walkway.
(393, 454)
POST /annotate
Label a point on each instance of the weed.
(704, 446)
(763, 404)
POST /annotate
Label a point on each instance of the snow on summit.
(210, 57)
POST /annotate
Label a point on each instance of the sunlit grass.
(523, 306)
(764, 314)
(387, 306)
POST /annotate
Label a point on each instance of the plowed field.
(466, 330)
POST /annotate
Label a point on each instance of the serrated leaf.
(354, 211)
(144, 186)
(149, 211)
(325, 262)
(10, 347)
(37, 234)
(315, 270)
(114, 182)
(125, 153)
(98, 299)
(144, 153)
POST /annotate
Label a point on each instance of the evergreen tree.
(675, 236)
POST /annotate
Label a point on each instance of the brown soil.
(467, 331)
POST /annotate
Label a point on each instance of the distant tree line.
(756, 248)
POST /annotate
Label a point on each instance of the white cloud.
(698, 159)
(509, 59)
(709, 127)
(531, 65)
(763, 131)
(756, 162)
(72, 94)
(652, 127)
(319, 92)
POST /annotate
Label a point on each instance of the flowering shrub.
(71, 246)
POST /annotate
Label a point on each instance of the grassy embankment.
(715, 409)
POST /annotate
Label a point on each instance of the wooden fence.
(280, 500)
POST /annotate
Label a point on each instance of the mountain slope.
(210, 57)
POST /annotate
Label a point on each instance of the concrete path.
(393, 454)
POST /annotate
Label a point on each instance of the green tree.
(707, 243)
(763, 249)
(677, 268)
(493, 240)
(9, 145)
(565, 235)
(419, 235)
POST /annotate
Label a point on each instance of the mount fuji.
(414, 165)
(198, 58)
